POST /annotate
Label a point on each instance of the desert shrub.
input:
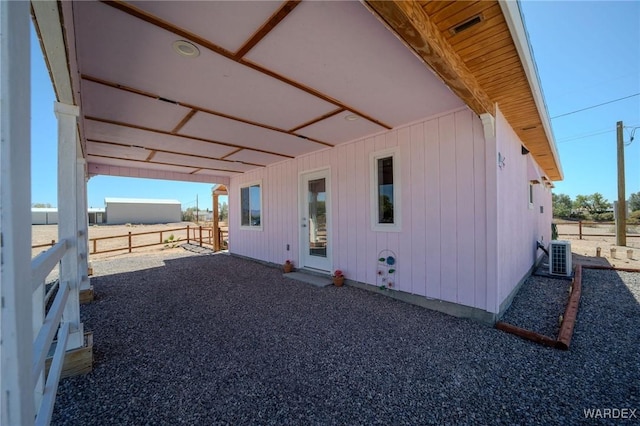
(603, 217)
(634, 218)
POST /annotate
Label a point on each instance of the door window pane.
(317, 223)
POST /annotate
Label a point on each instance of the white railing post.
(83, 224)
(16, 398)
(68, 220)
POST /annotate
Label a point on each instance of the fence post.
(129, 241)
(160, 237)
(95, 248)
(188, 234)
(580, 228)
(53, 243)
(200, 233)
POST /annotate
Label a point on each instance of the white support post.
(491, 188)
(16, 343)
(68, 217)
(83, 224)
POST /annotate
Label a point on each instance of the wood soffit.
(479, 63)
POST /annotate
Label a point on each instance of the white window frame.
(530, 194)
(249, 185)
(396, 226)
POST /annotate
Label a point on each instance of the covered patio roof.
(203, 91)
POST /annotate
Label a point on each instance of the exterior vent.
(560, 258)
(466, 24)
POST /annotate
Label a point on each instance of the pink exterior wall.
(519, 226)
(442, 248)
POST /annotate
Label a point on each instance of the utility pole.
(621, 213)
(197, 210)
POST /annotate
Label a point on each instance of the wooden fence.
(197, 234)
(582, 232)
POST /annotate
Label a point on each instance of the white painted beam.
(17, 403)
(48, 25)
(104, 169)
(83, 222)
(491, 194)
(68, 217)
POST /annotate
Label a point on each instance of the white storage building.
(139, 210)
(44, 215)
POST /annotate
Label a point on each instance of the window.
(531, 194)
(385, 194)
(251, 206)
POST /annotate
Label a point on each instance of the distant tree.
(189, 215)
(41, 205)
(634, 201)
(561, 205)
(223, 212)
(599, 204)
(594, 204)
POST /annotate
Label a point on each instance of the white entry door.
(315, 220)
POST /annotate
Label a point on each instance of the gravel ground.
(539, 304)
(212, 339)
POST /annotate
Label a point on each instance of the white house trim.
(16, 404)
(71, 213)
(491, 188)
(513, 16)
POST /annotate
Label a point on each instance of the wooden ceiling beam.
(413, 25)
(271, 23)
(195, 138)
(194, 38)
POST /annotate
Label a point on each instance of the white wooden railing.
(41, 266)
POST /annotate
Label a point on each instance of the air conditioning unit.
(560, 258)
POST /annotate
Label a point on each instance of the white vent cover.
(560, 258)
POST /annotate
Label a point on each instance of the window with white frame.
(251, 206)
(385, 190)
(531, 183)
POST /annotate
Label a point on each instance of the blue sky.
(587, 53)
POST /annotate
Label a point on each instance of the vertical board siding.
(448, 199)
(465, 214)
(519, 226)
(480, 208)
(414, 192)
(432, 191)
(441, 248)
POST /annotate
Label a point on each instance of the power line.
(595, 106)
(590, 134)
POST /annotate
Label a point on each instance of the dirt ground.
(585, 250)
(44, 234)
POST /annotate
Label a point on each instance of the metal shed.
(139, 210)
(44, 216)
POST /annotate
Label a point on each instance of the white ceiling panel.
(138, 164)
(341, 49)
(125, 152)
(228, 24)
(339, 128)
(110, 103)
(120, 48)
(222, 129)
(197, 162)
(255, 157)
(121, 134)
